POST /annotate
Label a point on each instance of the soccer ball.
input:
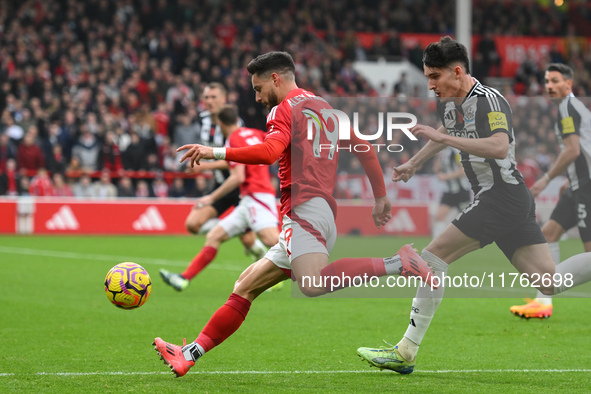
(128, 285)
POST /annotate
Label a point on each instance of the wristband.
(547, 177)
(219, 153)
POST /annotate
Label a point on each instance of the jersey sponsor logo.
(64, 219)
(463, 133)
(568, 125)
(469, 114)
(497, 120)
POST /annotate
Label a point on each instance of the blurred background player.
(257, 209)
(573, 130)
(456, 192)
(203, 217)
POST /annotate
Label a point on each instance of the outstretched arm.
(405, 171)
(266, 153)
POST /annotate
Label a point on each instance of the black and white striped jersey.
(483, 112)
(211, 135)
(574, 118)
(449, 161)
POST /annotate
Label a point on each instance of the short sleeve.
(494, 116)
(279, 124)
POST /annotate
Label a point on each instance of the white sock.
(193, 351)
(423, 309)
(438, 228)
(258, 249)
(211, 223)
(572, 272)
(541, 298)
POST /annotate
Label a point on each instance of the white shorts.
(311, 229)
(256, 212)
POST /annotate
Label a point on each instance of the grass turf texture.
(56, 319)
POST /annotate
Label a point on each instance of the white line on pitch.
(441, 371)
(111, 258)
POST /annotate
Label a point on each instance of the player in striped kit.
(573, 130)
(477, 120)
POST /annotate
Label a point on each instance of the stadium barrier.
(134, 216)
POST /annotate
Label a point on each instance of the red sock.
(199, 262)
(352, 267)
(224, 322)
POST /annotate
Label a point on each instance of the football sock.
(423, 308)
(364, 267)
(541, 298)
(199, 262)
(258, 248)
(193, 351)
(224, 322)
(208, 225)
(572, 272)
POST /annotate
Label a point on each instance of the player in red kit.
(307, 171)
(257, 209)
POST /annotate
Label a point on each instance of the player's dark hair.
(272, 62)
(444, 53)
(228, 115)
(565, 70)
(217, 85)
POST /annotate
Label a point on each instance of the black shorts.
(456, 200)
(229, 200)
(573, 210)
(505, 215)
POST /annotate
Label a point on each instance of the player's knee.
(312, 291)
(269, 239)
(192, 226)
(214, 238)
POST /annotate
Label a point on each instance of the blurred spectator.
(185, 131)
(134, 157)
(160, 188)
(487, 48)
(56, 162)
(177, 189)
(9, 179)
(14, 131)
(7, 151)
(83, 187)
(111, 156)
(24, 186)
(104, 188)
(125, 187)
(41, 184)
(402, 87)
(143, 189)
(87, 150)
(200, 188)
(29, 155)
(60, 187)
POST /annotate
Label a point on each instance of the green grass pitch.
(58, 332)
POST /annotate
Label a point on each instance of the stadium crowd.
(106, 89)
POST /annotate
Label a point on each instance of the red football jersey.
(314, 170)
(257, 176)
